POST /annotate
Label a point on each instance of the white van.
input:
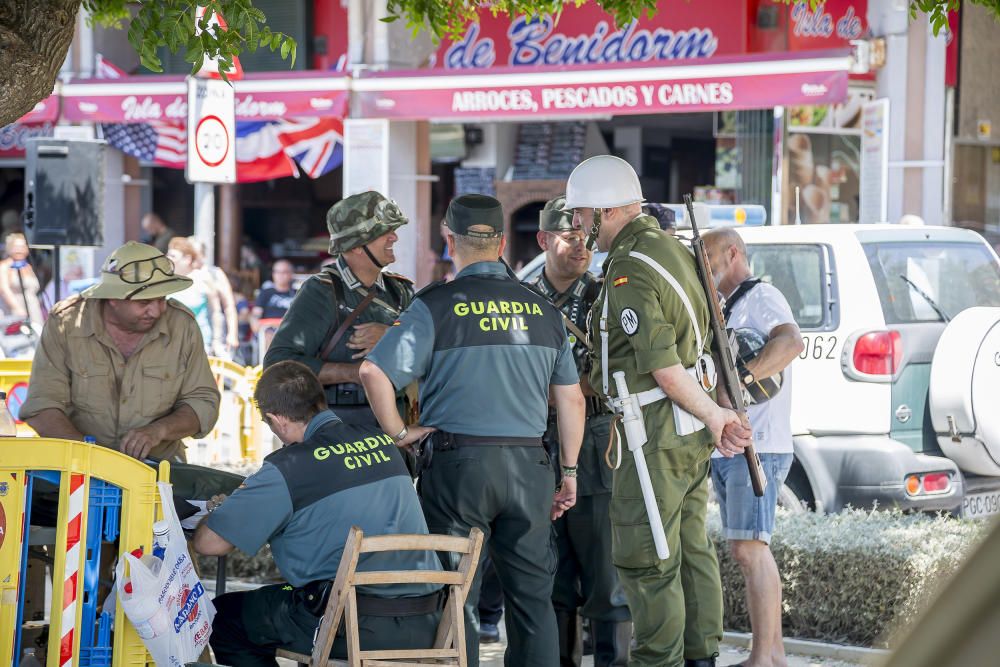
(895, 395)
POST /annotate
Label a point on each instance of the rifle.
(723, 347)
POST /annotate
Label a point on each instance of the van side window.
(927, 281)
(799, 273)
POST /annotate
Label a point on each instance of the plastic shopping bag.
(165, 601)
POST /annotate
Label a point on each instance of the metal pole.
(204, 219)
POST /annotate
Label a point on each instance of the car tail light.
(878, 353)
(930, 483)
(936, 482)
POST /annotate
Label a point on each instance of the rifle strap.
(740, 291)
(576, 331)
(348, 321)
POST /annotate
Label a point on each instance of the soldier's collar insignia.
(545, 286)
(350, 280)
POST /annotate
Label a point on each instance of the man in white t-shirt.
(747, 520)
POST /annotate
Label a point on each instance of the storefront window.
(824, 160)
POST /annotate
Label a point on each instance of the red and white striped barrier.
(74, 534)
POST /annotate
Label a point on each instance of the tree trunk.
(34, 38)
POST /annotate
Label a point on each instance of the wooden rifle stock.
(723, 347)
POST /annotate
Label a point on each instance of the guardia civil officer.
(488, 351)
(339, 314)
(651, 321)
(585, 576)
(327, 477)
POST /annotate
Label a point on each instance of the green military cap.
(137, 271)
(555, 217)
(360, 219)
(466, 211)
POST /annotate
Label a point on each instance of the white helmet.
(603, 181)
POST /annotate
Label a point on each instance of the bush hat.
(137, 271)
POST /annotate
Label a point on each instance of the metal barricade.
(103, 495)
(265, 332)
(240, 382)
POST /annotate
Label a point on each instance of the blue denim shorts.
(744, 515)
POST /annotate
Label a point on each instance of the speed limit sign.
(211, 155)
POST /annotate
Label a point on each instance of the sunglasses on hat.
(141, 270)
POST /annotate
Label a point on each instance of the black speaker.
(64, 192)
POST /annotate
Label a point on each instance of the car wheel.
(795, 495)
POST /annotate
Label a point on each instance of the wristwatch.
(402, 434)
(568, 471)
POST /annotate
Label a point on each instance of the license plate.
(981, 505)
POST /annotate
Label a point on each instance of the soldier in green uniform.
(355, 291)
(488, 352)
(651, 321)
(585, 575)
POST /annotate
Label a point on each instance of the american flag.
(159, 141)
(264, 149)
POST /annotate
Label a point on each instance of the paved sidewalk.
(491, 655)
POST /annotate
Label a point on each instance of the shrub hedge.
(853, 577)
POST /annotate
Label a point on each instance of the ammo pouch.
(315, 595)
(704, 374)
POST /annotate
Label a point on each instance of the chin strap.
(594, 230)
(372, 257)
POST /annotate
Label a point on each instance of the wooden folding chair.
(449, 643)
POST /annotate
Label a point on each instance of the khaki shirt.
(648, 324)
(79, 371)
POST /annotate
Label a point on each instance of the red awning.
(744, 82)
(45, 111)
(259, 96)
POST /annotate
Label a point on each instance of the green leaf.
(286, 46)
(389, 19)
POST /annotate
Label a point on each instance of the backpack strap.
(740, 291)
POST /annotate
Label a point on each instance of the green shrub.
(852, 577)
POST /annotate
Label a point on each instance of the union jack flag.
(264, 149)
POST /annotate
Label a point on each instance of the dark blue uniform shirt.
(486, 349)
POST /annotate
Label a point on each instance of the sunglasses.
(143, 270)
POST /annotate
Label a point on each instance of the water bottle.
(29, 659)
(7, 426)
(161, 535)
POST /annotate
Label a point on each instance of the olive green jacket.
(316, 312)
(648, 324)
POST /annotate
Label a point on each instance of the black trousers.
(250, 626)
(490, 593)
